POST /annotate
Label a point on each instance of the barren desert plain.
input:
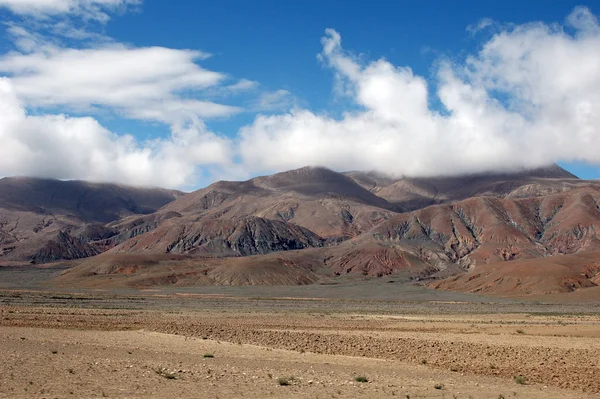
(373, 339)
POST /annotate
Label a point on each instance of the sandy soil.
(72, 350)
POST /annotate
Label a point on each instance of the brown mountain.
(308, 207)
(43, 220)
(313, 224)
(532, 232)
(414, 193)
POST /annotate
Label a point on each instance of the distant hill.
(43, 220)
(84, 201)
(414, 193)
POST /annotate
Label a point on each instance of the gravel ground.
(49, 363)
(407, 340)
(473, 349)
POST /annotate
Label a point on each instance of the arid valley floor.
(252, 341)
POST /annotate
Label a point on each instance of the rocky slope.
(414, 193)
(481, 230)
(337, 228)
(313, 225)
(534, 276)
(44, 220)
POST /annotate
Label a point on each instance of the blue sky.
(263, 93)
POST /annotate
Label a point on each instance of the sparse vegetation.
(285, 381)
(361, 378)
(208, 355)
(520, 332)
(521, 380)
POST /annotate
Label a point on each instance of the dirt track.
(472, 355)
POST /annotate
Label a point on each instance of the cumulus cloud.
(80, 148)
(45, 80)
(89, 9)
(143, 83)
(529, 97)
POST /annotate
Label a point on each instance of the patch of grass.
(285, 381)
(521, 380)
(520, 332)
(361, 378)
(438, 386)
(208, 355)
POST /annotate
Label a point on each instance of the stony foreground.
(68, 348)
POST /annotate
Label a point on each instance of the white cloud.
(279, 100)
(482, 24)
(88, 9)
(242, 85)
(530, 97)
(80, 148)
(144, 83)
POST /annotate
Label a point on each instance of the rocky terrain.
(314, 225)
(43, 220)
(58, 345)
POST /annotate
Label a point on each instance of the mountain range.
(524, 233)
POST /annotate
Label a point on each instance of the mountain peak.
(552, 171)
(305, 175)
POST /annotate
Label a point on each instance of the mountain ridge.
(313, 224)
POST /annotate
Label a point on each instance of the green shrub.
(521, 380)
(285, 381)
